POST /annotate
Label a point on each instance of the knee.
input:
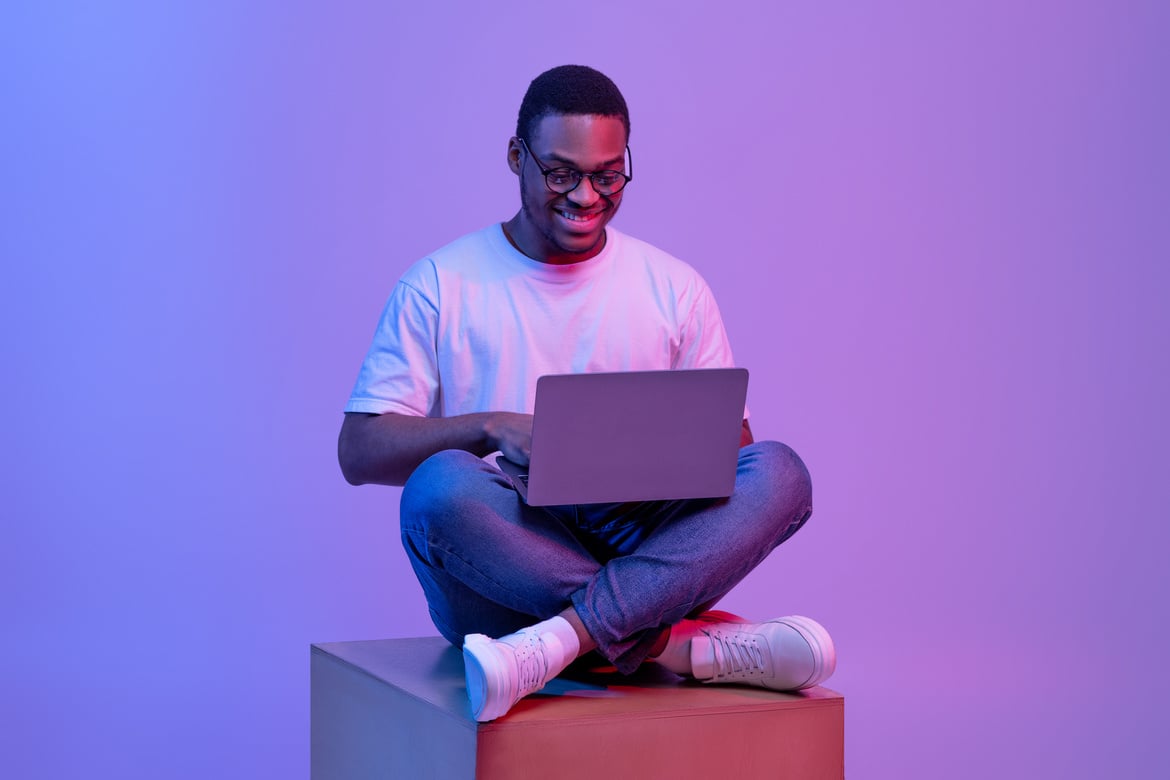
(438, 485)
(777, 471)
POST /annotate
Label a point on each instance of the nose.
(583, 194)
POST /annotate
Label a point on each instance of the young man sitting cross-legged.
(451, 377)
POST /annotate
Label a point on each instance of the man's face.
(568, 228)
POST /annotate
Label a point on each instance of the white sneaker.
(785, 654)
(501, 672)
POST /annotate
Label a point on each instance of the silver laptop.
(633, 436)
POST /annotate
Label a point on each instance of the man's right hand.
(511, 434)
(386, 448)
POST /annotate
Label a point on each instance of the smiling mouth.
(579, 217)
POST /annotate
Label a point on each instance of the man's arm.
(386, 448)
(745, 435)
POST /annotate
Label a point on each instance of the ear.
(514, 152)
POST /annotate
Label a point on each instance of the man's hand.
(386, 448)
(511, 434)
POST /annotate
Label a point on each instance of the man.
(451, 377)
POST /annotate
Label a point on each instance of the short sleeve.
(400, 373)
(704, 342)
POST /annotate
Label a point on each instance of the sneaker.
(501, 672)
(785, 654)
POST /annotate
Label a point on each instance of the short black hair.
(570, 89)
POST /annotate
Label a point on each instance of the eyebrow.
(570, 163)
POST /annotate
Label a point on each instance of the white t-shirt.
(471, 327)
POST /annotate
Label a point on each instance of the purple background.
(938, 232)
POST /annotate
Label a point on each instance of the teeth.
(577, 217)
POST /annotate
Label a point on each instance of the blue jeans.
(489, 563)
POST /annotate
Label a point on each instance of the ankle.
(567, 642)
(660, 644)
(674, 648)
(585, 641)
(677, 648)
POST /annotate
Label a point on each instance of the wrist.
(489, 431)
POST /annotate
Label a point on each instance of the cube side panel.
(363, 728)
(802, 744)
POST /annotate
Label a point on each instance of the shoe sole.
(821, 644)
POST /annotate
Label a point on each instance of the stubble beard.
(546, 231)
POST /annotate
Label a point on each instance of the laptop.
(633, 436)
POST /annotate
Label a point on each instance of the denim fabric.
(489, 563)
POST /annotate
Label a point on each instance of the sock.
(564, 648)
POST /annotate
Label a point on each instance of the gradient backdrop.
(938, 232)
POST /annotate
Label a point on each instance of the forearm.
(386, 448)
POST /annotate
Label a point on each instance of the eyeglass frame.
(581, 175)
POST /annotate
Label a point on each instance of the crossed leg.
(490, 564)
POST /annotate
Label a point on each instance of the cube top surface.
(431, 670)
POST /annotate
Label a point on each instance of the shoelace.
(736, 654)
(532, 664)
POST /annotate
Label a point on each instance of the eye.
(561, 176)
(606, 178)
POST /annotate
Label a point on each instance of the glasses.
(564, 180)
